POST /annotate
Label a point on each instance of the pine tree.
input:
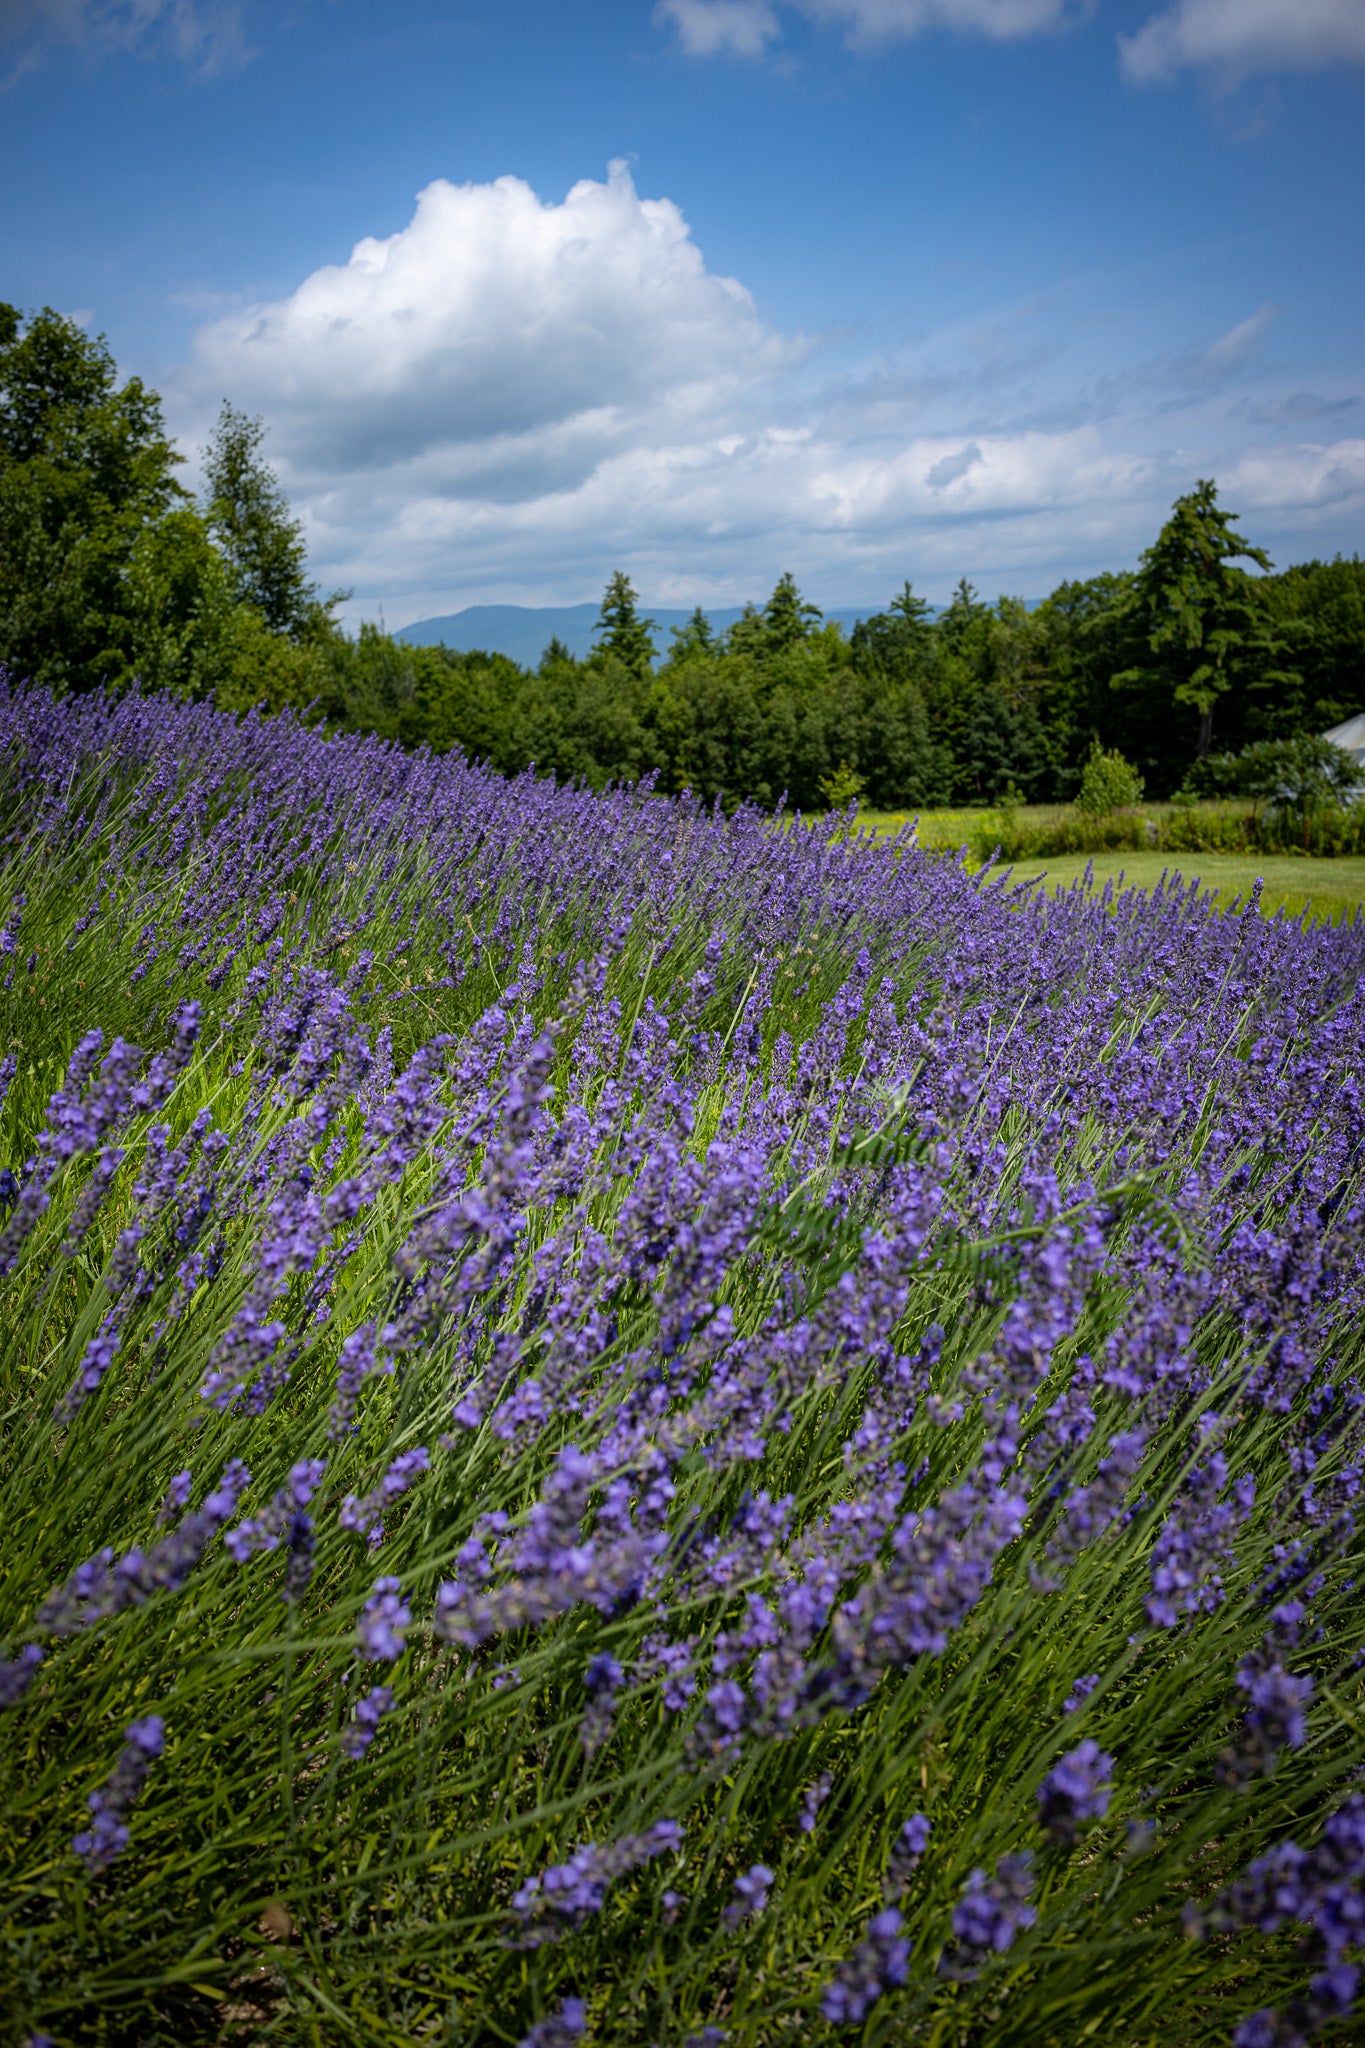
(1201, 617)
(622, 631)
(695, 637)
(786, 616)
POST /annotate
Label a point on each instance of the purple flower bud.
(1077, 1788)
(16, 1674)
(560, 2029)
(368, 1712)
(990, 1913)
(880, 1962)
(383, 1622)
(751, 1895)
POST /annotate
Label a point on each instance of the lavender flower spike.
(107, 1837)
(560, 2029)
(1077, 1788)
(16, 1674)
(370, 1710)
(991, 1911)
(880, 1962)
(383, 1622)
(751, 1895)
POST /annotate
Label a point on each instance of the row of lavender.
(641, 1427)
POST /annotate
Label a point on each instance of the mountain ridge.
(522, 632)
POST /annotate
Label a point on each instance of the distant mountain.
(524, 631)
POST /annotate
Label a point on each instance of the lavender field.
(623, 1427)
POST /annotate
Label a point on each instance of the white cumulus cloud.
(1235, 38)
(493, 316)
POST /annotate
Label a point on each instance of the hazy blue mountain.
(524, 631)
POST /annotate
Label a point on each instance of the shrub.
(1109, 783)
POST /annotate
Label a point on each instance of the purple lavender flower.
(108, 1835)
(177, 1495)
(368, 1712)
(284, 1521)
(1330, 1996)
(366, 1515)
(104, 1586)
(568, 1894)
(1077, 1788)
(383, 1622)
(880, 1963)
(1080, 1692)
(99, 1355)
(16, 1674)
(559, 2029)
(1195, 1540)
(990, 1913)
(1276, 1719)
(359, 1359)
(751, 1891)
(906, 1851)
(812, 1799)
(1321, 1888)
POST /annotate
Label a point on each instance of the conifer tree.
(1202, 618)
(786, 616)
(622, 631)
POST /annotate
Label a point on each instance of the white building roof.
(1350, 736)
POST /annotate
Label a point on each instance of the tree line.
(113, 575)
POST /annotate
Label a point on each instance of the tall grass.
(1043, 831)
(825, 1345)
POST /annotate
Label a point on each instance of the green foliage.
(1298, 775)
(786, 616)
(1108, 784)
(86, 475)
(109, 572)
(842, 788)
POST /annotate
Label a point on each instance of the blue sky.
(863, 289)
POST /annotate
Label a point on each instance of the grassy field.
(1330, 889)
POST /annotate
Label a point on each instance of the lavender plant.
(854, 1375)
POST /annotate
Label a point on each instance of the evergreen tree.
(623, 632)
(1208, 634)
(786, 616)
(696, 637)
(556, 656)
(250, 519)
(912, 611)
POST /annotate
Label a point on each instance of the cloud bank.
(1231, 38)
(511, 396)
(745, 28)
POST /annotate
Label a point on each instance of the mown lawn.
(1330, 888)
